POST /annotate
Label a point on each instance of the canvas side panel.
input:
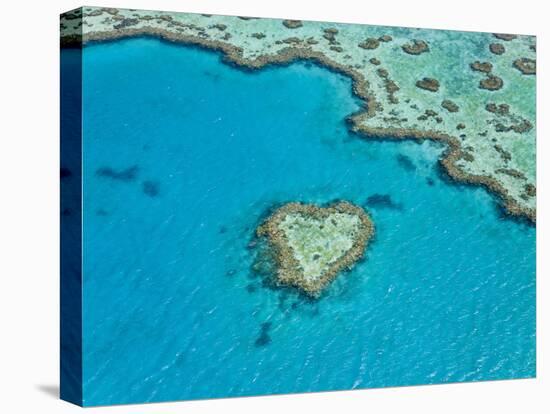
(71, 206)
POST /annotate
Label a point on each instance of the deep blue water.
(182, 157)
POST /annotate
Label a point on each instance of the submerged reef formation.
(497, 48)
(429, 84)
(421, 70)
(311, 245)
(416, 47)
(526, 66)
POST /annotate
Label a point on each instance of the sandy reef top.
(476, 92)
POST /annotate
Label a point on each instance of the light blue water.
(183, 156)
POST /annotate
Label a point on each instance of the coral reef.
(497, 48)
(415, 47)
(292, 24)
(430, 84)
(370, 43)
(526, 66)
(418, 76)
(311, 245)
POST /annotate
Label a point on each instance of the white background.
(29, 218)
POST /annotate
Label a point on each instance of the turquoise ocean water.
(183, 155)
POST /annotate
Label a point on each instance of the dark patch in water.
(66, 212)
(501, 212)
(251, 288)
(252, 275)
(263, 265)
(127, 175)
(383, 201)
(430, 181)
(405, 162)
(101, 212)
(215, 77)
(151, 188)
(65, 172)
(307, 305)
(263, 338)
(285, 294)
(283, 298)
(223, 230)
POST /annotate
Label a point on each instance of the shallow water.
(183, 156)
